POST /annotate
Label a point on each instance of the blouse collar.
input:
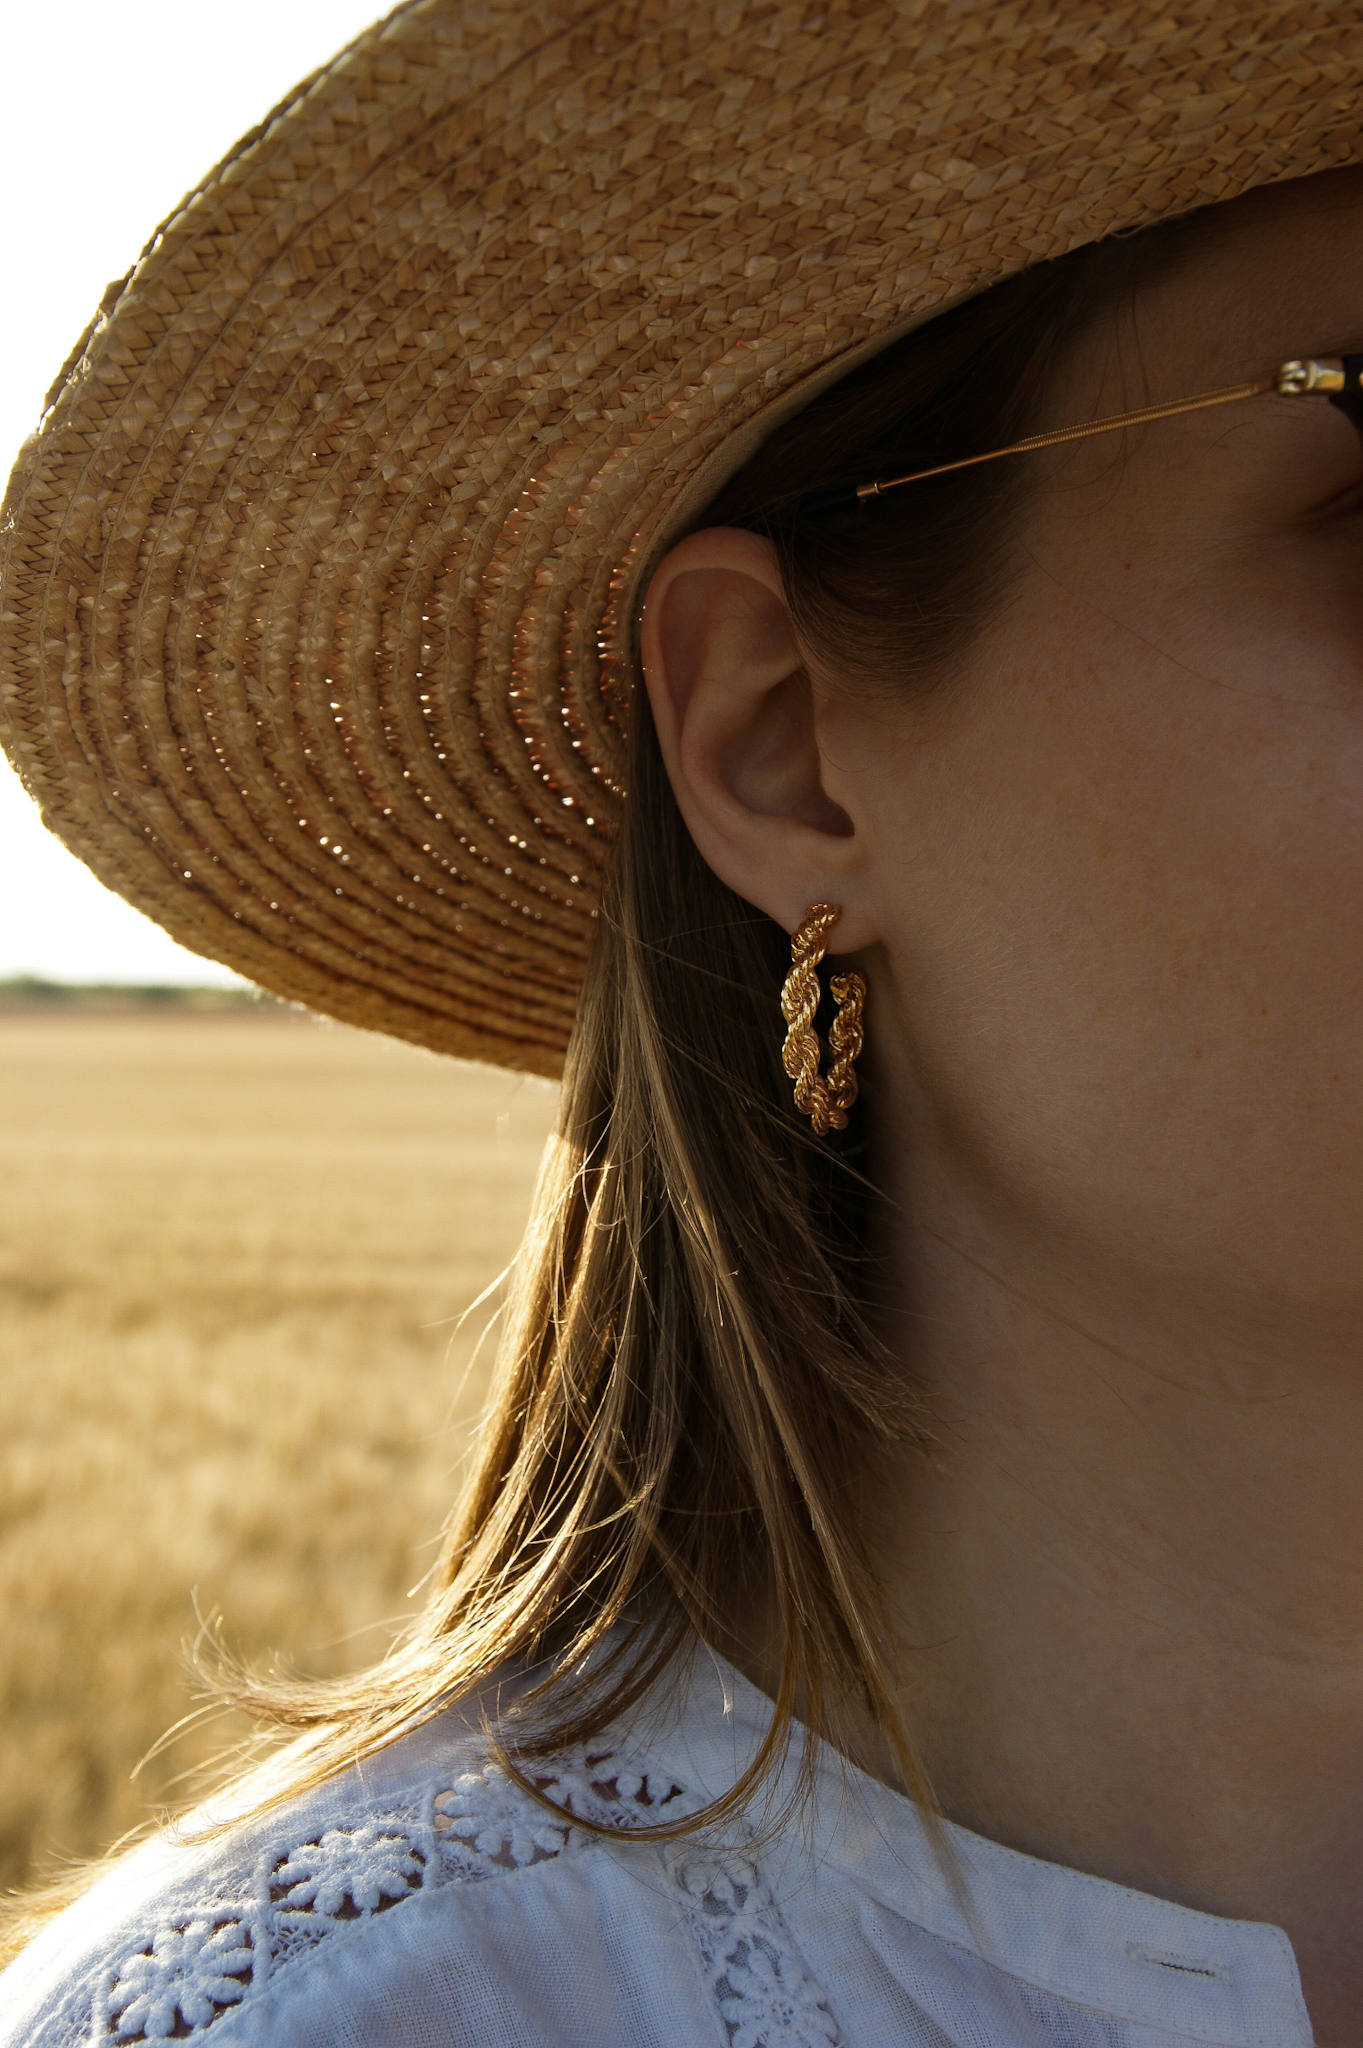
(1122, 1953)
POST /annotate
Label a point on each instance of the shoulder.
(424, 1895)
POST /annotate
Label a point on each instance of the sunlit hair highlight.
(689, 1384)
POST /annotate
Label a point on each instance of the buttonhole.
(1182, 1966)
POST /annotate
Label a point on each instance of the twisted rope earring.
(825, 1103)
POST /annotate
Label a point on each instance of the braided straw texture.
(320, 574)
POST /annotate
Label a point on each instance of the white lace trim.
(211, 1959)
(759, 1983)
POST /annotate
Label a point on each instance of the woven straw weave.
(319, 575)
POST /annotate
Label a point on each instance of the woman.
(910, 1587)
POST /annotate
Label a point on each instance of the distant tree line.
(33, 991)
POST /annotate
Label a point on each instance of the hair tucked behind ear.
(687, 1385)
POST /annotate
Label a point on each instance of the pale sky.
(112, 109)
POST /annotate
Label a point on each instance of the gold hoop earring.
(825, 1103)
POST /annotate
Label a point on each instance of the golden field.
(233, 1249)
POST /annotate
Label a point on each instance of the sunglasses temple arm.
(1295, 379)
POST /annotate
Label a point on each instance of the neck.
(1126, 1582)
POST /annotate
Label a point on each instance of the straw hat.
(320, 574)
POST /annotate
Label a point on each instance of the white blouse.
(424, 1900)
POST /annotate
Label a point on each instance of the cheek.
(1125, 944)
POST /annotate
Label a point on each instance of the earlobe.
(737, 722)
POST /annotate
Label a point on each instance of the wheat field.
(233, 1251)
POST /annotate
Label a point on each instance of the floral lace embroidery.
(765, 1995)
(208, 1961)
(189, 1974)
(350, 1871)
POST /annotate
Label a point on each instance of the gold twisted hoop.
(825, 1103)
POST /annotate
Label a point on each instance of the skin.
(1105, 881)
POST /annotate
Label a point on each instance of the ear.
(740, 725)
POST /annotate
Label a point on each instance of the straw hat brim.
(320, 573)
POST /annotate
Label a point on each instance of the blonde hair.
(688, 1375)
(685, 1377)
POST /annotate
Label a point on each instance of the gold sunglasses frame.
(1303, 377)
